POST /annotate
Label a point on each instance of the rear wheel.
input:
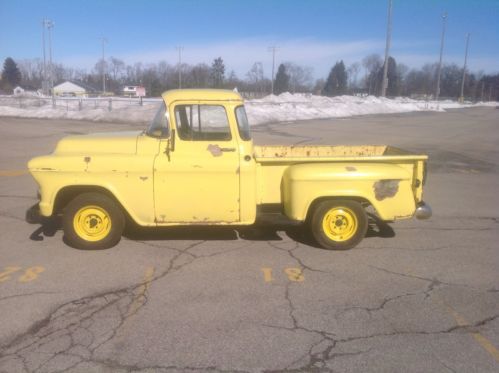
(338, 224)
(92, 221)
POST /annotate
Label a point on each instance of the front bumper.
(423, 211)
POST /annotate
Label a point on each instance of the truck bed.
(321, 153)
(273, 161)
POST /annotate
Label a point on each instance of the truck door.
(198, 181)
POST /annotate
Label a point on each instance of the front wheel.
(92, 221)
(338, 224)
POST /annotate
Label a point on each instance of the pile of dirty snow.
(285, 107)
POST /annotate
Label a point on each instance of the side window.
(159, 126)
(242, 123)
(202, 122)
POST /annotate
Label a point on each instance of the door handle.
(227, 149)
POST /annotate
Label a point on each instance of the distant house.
(73, 89)
(133, 91)
(24, 90)
(18, 91)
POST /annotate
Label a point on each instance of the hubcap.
(339, 224)
(92, 223)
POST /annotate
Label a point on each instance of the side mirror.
(170, 146)
(172, 141)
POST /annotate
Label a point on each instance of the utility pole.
(50, 27)
(44, 82)
(47, 24)
(180, 49)
(273, 49)
(103, 61)
(444, 22)
(461, 98)
(384, 85)
(483, 87)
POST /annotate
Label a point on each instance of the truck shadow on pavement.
(260, 231)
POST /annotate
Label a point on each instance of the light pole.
(180, 49)
(104, 41)
(444, 22)
(273, 50)
(461, 98)
(384, 84)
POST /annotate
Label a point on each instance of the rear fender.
(387, 187)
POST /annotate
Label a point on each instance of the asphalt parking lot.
(414, 296)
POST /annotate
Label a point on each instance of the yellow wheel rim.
(92, 223)
(340, 224)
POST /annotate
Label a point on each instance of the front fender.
(130, 181)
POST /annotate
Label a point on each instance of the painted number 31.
(28, 275)
(294, 274)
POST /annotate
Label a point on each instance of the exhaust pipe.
(423, 211)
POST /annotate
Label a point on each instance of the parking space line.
(11, 173)
(482, 341)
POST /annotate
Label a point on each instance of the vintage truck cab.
(196, 164)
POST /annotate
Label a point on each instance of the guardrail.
(75, 103)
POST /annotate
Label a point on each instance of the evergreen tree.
(393, 88)
(11, 74)
(336, 83)
(218, 72)
(281, 80)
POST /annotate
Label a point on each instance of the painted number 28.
(294, 274)
(29, 274)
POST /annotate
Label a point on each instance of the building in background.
(134, 91)
(74, 89)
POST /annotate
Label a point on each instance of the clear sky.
(315, 33)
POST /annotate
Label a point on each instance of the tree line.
(364, 77)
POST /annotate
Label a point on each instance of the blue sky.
(314, 33)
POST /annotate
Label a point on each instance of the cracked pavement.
(414, 296)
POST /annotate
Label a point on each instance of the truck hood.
(99, 143)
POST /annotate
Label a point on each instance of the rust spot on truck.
(385, 189)
(214, 150)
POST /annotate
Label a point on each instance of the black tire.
(346, 231)
(92, 221)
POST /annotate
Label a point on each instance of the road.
(415, 296)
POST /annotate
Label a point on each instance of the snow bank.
(283, 108)
(291, 107)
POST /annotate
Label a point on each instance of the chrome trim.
(423, 211)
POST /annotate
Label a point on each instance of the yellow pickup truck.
(196, 165)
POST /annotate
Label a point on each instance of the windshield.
(242, 123)
(159, 126)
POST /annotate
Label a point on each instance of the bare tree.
(255, 76)
(117, 67)
(372, 63)
(353, 72)
(300, 77)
